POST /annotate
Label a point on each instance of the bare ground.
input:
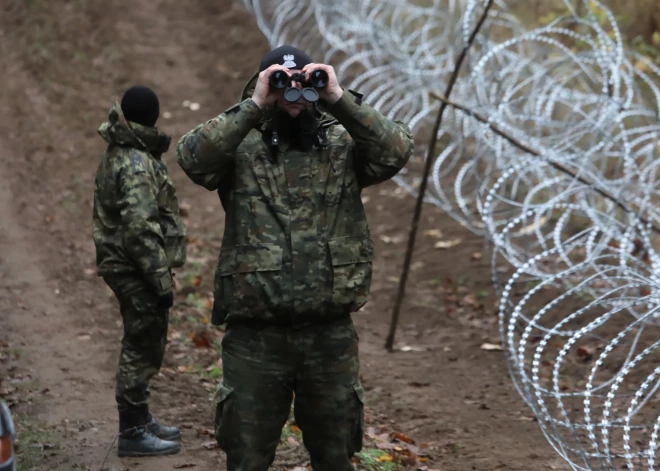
(62, 63)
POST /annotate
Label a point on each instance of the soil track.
(61, 65)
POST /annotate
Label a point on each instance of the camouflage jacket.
(297, 247)
(137, 227)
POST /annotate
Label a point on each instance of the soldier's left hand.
(332, 91)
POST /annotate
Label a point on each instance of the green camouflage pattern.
(263, 365)
(143, 344)
(137, 227)
(297, 248)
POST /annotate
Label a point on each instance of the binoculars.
(317, 79)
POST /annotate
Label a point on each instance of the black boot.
(162, 431)
(138, 441)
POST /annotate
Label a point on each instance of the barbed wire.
(550, 153)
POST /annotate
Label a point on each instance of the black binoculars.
(317, 79)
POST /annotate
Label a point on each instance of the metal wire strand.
(570, 226)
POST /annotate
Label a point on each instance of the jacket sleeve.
(138, 206)
(382, 147)
(206, 153)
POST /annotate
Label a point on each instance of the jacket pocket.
(248, 279)
(351, 259)
(175, 246)
(223, 426)
(356, 419)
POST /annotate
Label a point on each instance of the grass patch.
(373, 459)
(31, 442)
(214, 373)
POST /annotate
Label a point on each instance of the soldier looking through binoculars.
(289, 162)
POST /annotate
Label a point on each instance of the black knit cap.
(288, 56)
(140, 105)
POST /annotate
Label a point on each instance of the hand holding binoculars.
(317, 79)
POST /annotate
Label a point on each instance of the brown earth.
(62, 63)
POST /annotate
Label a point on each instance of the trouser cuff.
(133, 418)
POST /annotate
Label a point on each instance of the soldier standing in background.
(296, 257)
(139, 238)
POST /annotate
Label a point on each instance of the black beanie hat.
(288, 56)
(140, 105)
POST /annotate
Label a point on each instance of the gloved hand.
(166, 301)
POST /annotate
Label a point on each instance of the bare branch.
(427, 169)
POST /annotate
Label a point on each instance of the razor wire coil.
(576, 221)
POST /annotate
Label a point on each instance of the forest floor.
(439, 402)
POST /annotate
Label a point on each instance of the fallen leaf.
(532, 227)
(641, 66)
(185, 465)
(477, 256)
(491, 347)
(408, 348)
(292, 441)
(585, 353)
(384, 458)
(210, 445)
(197, 280)
(470, 300)
(437, 233)
(407, 458)
(294, 428)
(391, 240)
(201, 339)
(184, 209)
(416, 384)
(84, 337)
(89, 271)
(401, 437)
(384, 446)
(447, 244)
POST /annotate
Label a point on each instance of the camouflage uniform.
(139, 237)
(296, 260)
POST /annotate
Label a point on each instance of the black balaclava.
(288, 56)
(301, 129)
(140, 105)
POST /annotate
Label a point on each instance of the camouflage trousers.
(264, 368)
(143, 346)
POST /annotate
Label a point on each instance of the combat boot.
(162, 431)
(139, 441)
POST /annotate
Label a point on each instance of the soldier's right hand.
(263, 94)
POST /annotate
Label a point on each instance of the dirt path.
(61, 66)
